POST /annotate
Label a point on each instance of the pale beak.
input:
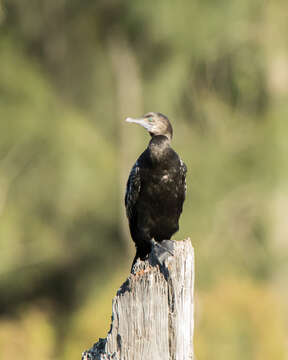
(141, 121)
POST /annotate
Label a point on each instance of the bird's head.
(155, 123)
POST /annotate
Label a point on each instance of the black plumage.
(156, 187)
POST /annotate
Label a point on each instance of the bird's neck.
(158, 147)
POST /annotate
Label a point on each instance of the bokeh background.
(70, 72)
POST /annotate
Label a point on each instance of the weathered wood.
(152, 313)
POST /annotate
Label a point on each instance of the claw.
(162, 251)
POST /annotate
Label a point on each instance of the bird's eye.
(150, 119)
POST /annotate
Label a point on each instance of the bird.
(155, 191)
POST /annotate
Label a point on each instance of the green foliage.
(232, 317)
(69, 73)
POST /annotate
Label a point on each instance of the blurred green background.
(70, 72)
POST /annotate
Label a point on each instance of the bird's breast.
(162, 185)
(165, 178)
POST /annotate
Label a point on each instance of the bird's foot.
(162, 251)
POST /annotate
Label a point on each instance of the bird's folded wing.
(133, 189)
(183, 171)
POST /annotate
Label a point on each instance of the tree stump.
(152, 313)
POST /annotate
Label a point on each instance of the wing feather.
(183, 171)
(132, 189)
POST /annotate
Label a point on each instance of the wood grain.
(152, 313)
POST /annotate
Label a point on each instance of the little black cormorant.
(156, 189)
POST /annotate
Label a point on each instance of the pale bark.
(152, 313)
